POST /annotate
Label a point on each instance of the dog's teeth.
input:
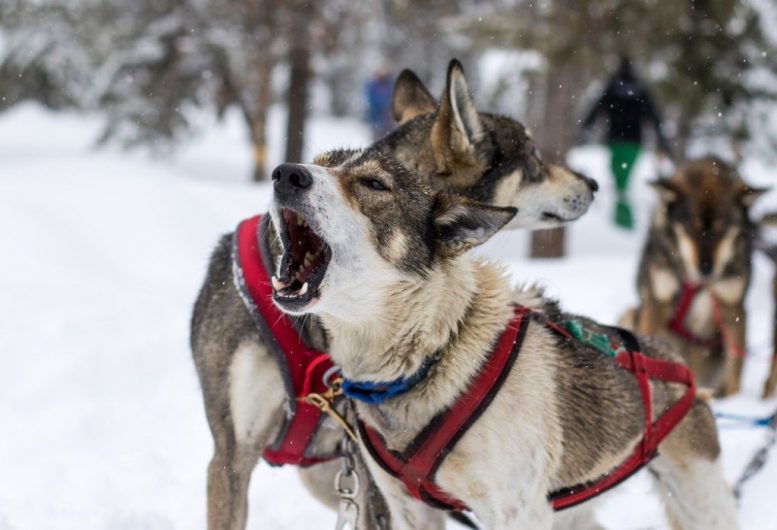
(277, 284)
(304, 289)
(308, 259)
(299, 221)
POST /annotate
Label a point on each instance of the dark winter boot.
(624, 216)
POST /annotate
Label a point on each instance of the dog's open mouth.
(304, 261)
(552, 217)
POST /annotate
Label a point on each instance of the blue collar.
(376, 392)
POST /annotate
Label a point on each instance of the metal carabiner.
(348, 511)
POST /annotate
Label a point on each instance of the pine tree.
(151, 67)
(181, 55)
(44, 56)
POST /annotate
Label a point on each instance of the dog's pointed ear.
(459, 140)
(461, 223)
(666, 188)
(748, 195)
(410, 98)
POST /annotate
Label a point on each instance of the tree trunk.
(297, 102)
(548, 243)
(680, 145)
(258, 125)
(556, 133)
(340, 83)
(259, 141)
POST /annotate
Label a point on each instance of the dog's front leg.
(244, 419)
(405, 512)
(771, 381)
(734, 336)
(515, 511)
(318, 480)
(651, 317)
(509, 492)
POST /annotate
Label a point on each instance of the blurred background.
(133, 133)
(156, 74)
(156, 71)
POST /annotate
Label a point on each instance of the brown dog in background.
(695, 270)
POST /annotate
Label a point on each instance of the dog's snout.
(291, 178)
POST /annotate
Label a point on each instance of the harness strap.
(668, 372)
(723, 337)
(677, 323)
(303, 368)
(644, 368)
(636, 363)
(417, 465)
(733, 348)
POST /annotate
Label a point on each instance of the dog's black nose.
(705, 266)
(588, 180)
(291, 178)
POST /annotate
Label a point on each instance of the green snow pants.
(624, 155)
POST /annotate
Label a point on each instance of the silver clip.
(347, 487)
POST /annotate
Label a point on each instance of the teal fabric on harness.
(599, 341)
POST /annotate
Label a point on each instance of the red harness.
(304, 369)
(677, 323)
(417, 465)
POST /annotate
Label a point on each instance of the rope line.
(758, 461)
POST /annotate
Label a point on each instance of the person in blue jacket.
(378, 92)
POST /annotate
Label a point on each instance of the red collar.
(417, 465)
(303, 368)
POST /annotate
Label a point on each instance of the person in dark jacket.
(627, 106)
(379, 90)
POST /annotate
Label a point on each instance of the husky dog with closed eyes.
(449, 145)
(395, 288)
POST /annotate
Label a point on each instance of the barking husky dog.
(695, 270)
(395, 288)
(451, 146)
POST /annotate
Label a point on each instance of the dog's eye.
(373, 183)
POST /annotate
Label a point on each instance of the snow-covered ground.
(101, 420)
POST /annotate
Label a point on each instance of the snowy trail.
(102, 420)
